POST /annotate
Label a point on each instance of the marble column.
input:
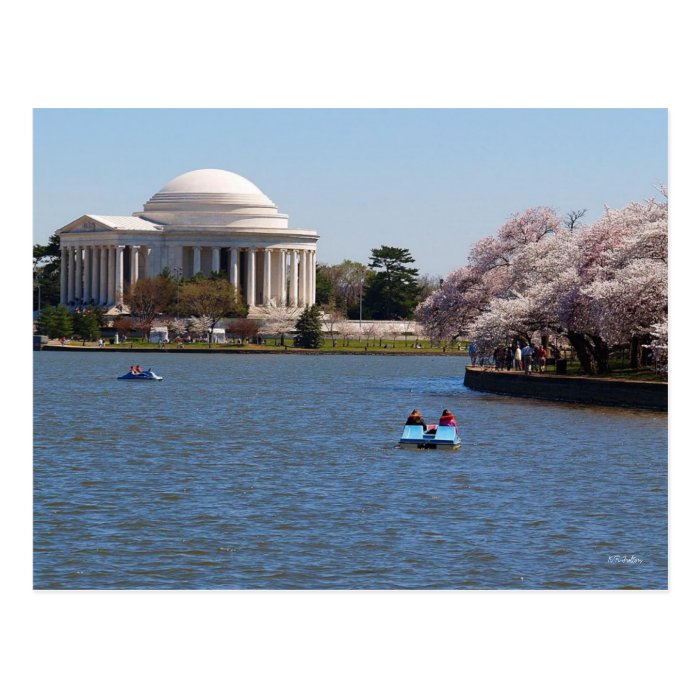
(250, 293)
(147, 262)
(233, 267)
(307, 254)
(294, 278)
(79, 273)
(215, 259)
(119, 276)
(282, 291)
(64, 275)
(95, 289)
(134, 277)
(110, 275)
(196, 260)
(71, 274)
(103, 275)
(304, 282)
(267, 277)
(313, 277)
(87, 273)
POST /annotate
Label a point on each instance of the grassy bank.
(400, 347)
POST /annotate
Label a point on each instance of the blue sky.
(430, 180)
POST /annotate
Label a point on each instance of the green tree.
(324, 285)
(342, 285)
(85, 325)
(47, 272)
(309, 328)
(55, 321)
(393, 293)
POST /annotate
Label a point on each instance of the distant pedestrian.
(472, 353)
(509, 358)
(541, 358)
(526, 353)
(518, 357)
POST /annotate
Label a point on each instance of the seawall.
(602, 392)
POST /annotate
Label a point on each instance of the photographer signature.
(624, 559)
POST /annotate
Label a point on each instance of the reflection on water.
(260, 471)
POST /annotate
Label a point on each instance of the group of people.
(521, 357)
(136, 369)
(415, 418)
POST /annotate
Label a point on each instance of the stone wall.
(40, 341)
(604, 392)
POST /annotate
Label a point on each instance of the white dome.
(212, 197)
(210, 181)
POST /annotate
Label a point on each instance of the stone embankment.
(554, 387)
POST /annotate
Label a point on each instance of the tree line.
(387, 288)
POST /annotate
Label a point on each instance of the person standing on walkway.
(541, 357)
(527, 358)
(509, 358)
(472, 353)
(518, 357)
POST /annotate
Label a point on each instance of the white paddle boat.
(444, 437)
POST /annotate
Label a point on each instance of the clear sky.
(430, 180)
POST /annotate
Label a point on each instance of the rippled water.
(258, 471)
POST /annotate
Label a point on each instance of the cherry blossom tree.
(367, 330)
(345, 329)
(625, 271)
(178, 326)
(278, 319)
(491, 273)
(200, 325)
(600, 285)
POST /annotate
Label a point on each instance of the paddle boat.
(144, 375)
(444, 437)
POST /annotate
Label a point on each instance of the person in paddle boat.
(415, 418)
(447, 418)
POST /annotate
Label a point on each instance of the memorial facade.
(204, 221)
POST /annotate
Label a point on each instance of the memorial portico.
(205, 221)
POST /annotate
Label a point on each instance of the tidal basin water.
(278, 472)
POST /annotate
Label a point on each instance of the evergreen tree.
(309, 328)
(55, 321)
(393, 292)
(85, 324)
(47, 272)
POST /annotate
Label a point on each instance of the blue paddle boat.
(147, 375)
(444, 438)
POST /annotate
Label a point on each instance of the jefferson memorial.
(203, 221)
